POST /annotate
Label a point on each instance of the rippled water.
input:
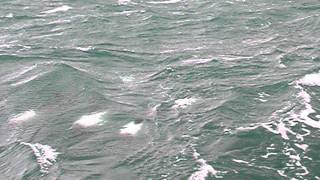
(171, 89)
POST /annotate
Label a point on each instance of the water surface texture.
(159, 89)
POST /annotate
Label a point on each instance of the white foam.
(58, 9)
(22, 117)
(268, 154)
(310, 80)
(164, 2)
(127, 79)
(45, 155)
(247, 128)
(303, 116)
(240, 161)
(183, 103)
(281, 173)
(85, 49)
(282, 130)
(90, 120)
(204, 170)
(131, 128)
(295, 161)
(302, 146)
(9, 15)
(196, 61)
(282, 66)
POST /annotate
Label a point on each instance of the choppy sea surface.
(159, 89)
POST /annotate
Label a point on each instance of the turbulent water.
(159, 89)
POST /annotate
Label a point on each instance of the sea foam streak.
(45, 155)
(58, 9)
(131, 128)
(196, 61)
(290, 116)
(20, 73)
(24, 81)
(90, 120)
(22, 117)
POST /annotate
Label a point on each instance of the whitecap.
(282, 66)
(45, 155)
(310, 80)
(85, 49)
(22, 117)
(127, 79)
(9, 15)
(58, 9)
(183, 103)
(90, 120)
(204, 170)
(131, 128)
(303, 116)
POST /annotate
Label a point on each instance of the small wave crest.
(131, 128)
(204, 169)
(45, 154)
(90, 120)
(183, 103)
(58, 9)
(19, 118)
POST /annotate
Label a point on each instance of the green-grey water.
(150, 89)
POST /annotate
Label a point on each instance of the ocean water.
(159, 89)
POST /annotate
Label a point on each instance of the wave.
(90, 120)
(183, 103)
(24, 81)
(19, 73)
(292, 123)
(204, 170)
(131, 128)
(17, 119)
(45, 154)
